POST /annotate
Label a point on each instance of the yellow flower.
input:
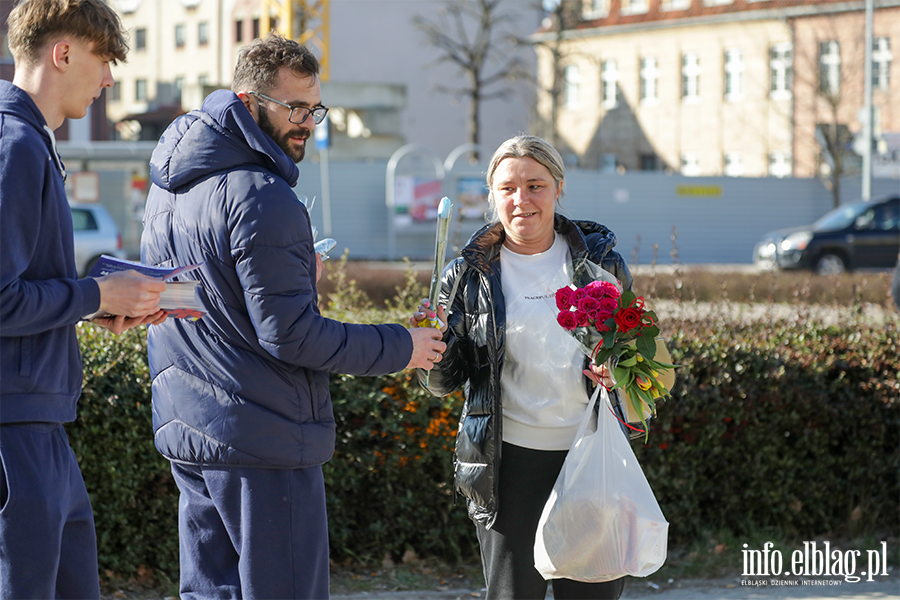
(643, 382)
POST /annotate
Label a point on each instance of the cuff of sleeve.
(90, 296)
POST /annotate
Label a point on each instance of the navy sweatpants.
(252, 533)
(48, 548)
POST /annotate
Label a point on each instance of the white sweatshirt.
(541, 387)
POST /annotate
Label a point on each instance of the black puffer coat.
(475, 349)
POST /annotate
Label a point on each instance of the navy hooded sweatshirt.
(41, 297)
(247, 384)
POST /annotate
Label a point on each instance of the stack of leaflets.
(180, 298)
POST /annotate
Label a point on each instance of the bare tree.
(563, 15)
(471, 35)
(828, 90)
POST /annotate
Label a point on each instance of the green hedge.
(792, 427)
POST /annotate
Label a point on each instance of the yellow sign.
(699, 190)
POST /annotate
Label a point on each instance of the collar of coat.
(483, 248)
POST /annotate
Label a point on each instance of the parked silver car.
(95, 233)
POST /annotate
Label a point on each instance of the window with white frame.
(179, 86)
(881, 63)
(690, 76)
(690, 164)
(830, 68)
(734, 166)
(734, 74)
(203, 79)
(595, 9)
(781, 70)
(634, 7)
(572, 85)
(780, 164)
(609, 80)
(649, 79)
(180, 35)
(666, 5)
(203, 33)
(140, 39)
(140, 90)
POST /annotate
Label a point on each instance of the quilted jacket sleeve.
(274, 258)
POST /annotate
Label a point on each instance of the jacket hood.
(221, 135)
(16, 101)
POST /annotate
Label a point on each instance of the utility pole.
(867, 108)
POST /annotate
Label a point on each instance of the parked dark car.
(95, 234)
(860, 235)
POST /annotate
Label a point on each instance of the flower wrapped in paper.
(614, 327)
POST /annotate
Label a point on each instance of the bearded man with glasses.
(241, 403)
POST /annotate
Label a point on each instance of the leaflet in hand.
(179, 299)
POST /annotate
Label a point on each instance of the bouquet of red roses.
(615, 327)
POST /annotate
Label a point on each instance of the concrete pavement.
(721, 589)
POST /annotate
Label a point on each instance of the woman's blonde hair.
(524, 146)
(34, 23)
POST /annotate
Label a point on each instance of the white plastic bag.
(601, 521)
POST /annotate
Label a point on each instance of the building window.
(830, 68)
(734, 167)
(717, 2)
(203, 33)
(690, 77)
(734, 75)
(255, 29)
(649, 162)
(115, 92)
(572, 82)
(674, 5)
(596, 9)
(609, 80)
(649, 79)
(180, 35)
(140, 38)
(779, 164)
(140, 90)
(203, 79)
(238, 31)
(781, 70)
(881, 63)
(690, 164)
(634, 7)
(179, 86)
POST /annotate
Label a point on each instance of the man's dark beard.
(282, 142)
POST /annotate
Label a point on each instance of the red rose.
(565, 297)
(609, 304)
(628, 318)
(588, 304)
(582, 318)
(567, 320)
(602, 289)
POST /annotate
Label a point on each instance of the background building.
(382, 75)
(717, 87)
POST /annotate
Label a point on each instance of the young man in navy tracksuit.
(241, 403)
(62, 52)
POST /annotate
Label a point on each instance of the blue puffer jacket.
(248, 383)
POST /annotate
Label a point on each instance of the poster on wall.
(472, 193)
(416, 199)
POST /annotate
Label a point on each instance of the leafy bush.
(133, 495)
(790, 426)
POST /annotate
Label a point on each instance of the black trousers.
(507, 549)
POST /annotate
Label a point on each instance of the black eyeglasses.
(318, 113)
